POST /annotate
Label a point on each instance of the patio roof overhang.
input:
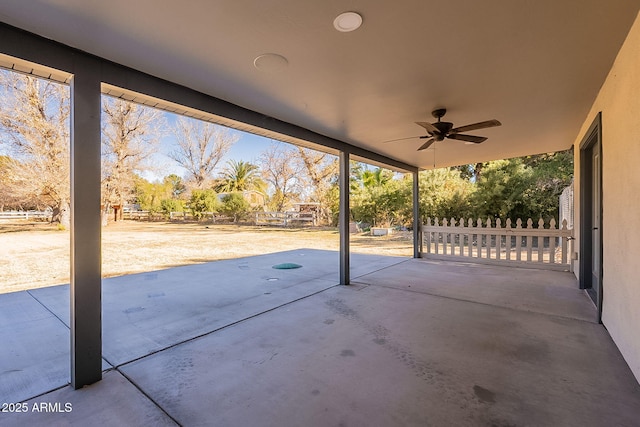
(140, 88)
(535, 66)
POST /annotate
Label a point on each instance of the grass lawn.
(34, 255)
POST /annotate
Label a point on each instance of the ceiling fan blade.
(429, 127)
(426, 144)
(480, 125)
(402, 139)
(468, 138)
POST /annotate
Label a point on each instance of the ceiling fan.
(438, 131)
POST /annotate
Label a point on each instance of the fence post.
(529, 240)
(565, 240)
(470, 238)
(452, 237)
(436, 236)
(445, 236)
(461, 237)
(552, 242)
(488, 237)
(428, 236)
(518, 240)
(479, 239)
(498, 238)
(508, 234)
(541, 240)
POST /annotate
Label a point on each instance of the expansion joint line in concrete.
(44, 393)
(114, 367)
(47, 308)
(380, 269)
(117, 368)
(151, 399)
(224, 327)
(483, 303)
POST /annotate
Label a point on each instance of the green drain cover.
(286, 266)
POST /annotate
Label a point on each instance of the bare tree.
(8, 194)
(283, 174)
(321, 170)
(130, 136)
(34, 120)
(201, 146)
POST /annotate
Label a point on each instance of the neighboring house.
(256, 199)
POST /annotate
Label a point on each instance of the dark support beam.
(343, 222)
(127, 78)
(86, 317)
(417, 222)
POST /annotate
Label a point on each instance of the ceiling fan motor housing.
(443, 129)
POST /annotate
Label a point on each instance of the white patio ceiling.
(534, 65)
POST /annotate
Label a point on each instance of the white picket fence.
(482, 242)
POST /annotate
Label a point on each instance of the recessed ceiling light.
(270, 62)
(347, 21)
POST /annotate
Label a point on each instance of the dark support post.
(343, 222)
(86, 306)
(417, 222)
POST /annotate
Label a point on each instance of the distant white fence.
(173, 216)
(142, 216)
(540, 247)
(25, 215)
(285, 219)
(206, 216)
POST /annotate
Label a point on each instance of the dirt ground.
(34, 255)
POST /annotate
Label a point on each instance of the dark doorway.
(591, 213)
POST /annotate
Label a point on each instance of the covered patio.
(409, 342)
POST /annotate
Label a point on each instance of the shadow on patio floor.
(411, 342)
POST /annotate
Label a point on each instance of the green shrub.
(171, 205)
(203, 201)
(235, 205)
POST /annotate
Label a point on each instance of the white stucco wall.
(619, 102)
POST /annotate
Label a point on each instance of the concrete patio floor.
(237, 343)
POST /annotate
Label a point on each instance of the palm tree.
(240, 176)
(376, 178)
